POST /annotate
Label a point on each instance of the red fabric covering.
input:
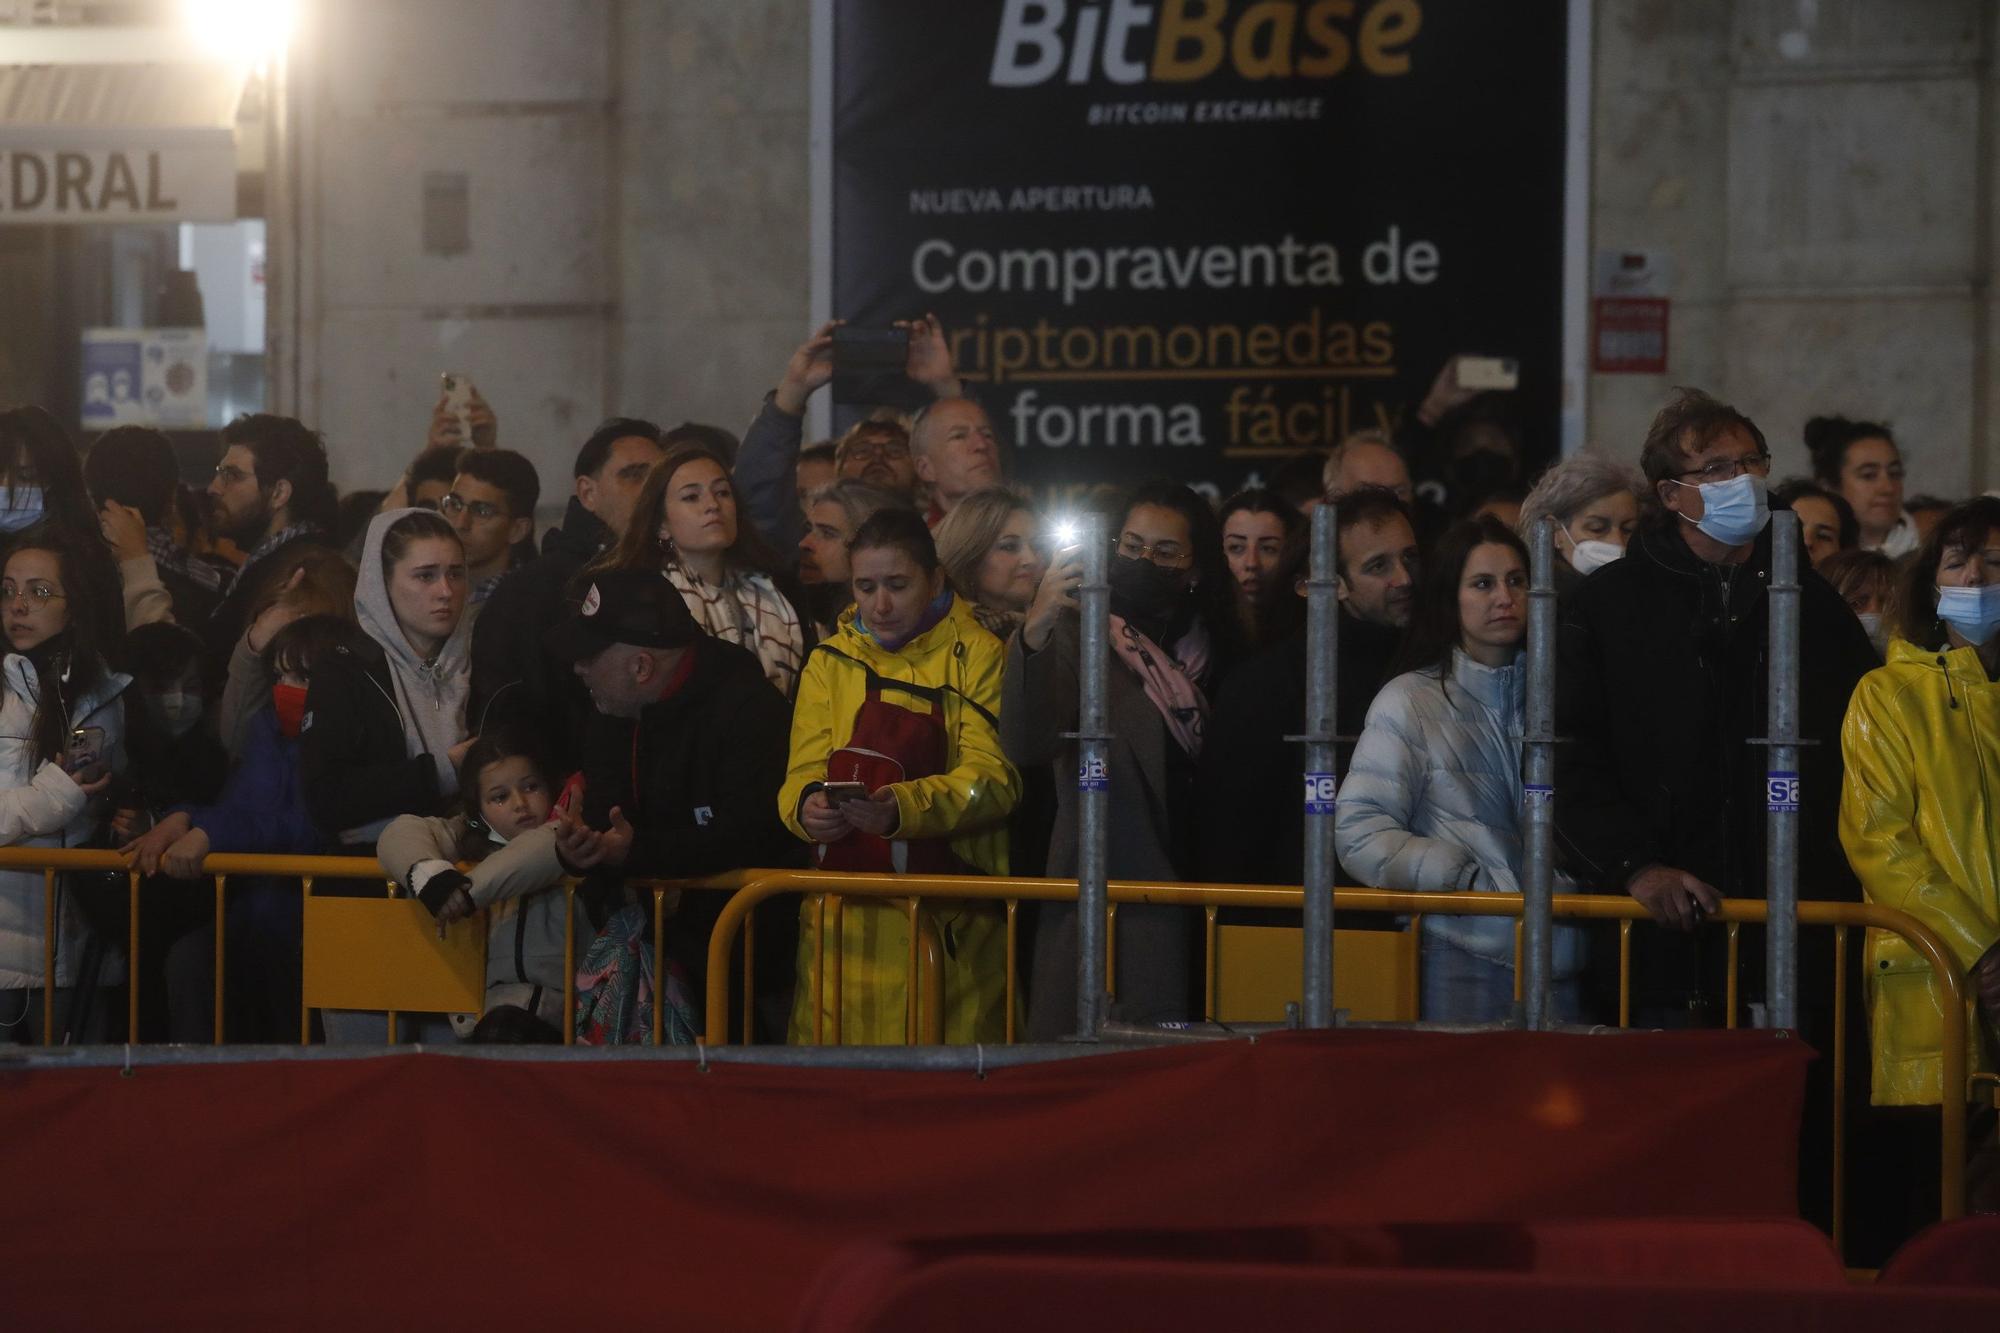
(1964, 1253)
(867, 1279)
(458, 1192)
(1009, 1294)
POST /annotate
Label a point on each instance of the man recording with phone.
(766, 466)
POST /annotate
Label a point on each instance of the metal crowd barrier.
(910, 890)
(924, 1000)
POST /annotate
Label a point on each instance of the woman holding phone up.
(62, 725)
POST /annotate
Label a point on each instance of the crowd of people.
(862, 655)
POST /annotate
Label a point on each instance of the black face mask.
(1144, 593)
(1479, 474)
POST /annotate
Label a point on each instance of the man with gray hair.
(1366, 458)
(957, 452)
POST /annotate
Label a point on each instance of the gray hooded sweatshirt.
(429, 696)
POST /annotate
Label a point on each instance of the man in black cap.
(682, 765)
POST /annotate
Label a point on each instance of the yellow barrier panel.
(1256, 972)
(385, 954)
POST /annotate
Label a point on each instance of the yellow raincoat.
(1921, 746)
(968, 803)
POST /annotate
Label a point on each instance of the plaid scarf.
(168, 556)
(270, 544)
(747, 609)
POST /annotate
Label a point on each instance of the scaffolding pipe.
(1538, 781)
(1321, 775)
(1781, 937)
(1093, 778)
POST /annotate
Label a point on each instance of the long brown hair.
(1434, 620)
(640, 547)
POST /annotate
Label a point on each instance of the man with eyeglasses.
(878, 452)
(491, 505)
(270, 494)
(1661, 695)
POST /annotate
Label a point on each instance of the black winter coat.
(1661, 685)
(352, 749)
(697, 776)
(514, 677)
(698, 772)
(1250, 808)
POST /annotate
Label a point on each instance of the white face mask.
(1591, 554)
(1871, 621)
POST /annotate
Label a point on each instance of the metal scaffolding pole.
(1781, 937)
(1538, 781)
(1321, 778)
(1093, 779)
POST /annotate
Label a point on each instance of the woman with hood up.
(385, 723)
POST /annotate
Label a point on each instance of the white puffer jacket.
(40, 806)
(1433, 795)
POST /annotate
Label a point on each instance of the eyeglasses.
(1167, 554)
(876, 449)
(454, 505)
(1728, 469)
(229, 476)
(38, 594)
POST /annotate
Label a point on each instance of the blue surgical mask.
(22, 508)
(1734, 511)
(1973, 612)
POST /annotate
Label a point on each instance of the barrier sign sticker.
(1781, 793)
(1535, 791)
(1320, 790)
(1093, 775)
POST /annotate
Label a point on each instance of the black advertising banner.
(1195, 237)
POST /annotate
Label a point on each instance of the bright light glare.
(243, 32)
(1065, 532)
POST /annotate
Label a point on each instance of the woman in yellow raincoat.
(896, 767)
(1920, 809)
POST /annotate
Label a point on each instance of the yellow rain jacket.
(1917, 816)
(968, 803)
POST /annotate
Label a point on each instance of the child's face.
(512, 796)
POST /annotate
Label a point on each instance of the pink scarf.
(1169, 678)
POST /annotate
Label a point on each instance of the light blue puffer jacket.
(1434, 794)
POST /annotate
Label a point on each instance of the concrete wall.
(515, 94)
(1820, 171)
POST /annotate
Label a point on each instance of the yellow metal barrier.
(756, 886)
(750, 887)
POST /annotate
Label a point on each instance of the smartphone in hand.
(837, 792)
(83, 758)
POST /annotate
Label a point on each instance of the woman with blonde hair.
(987, 546)
(686, 525)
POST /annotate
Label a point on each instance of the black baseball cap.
(635, 606)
